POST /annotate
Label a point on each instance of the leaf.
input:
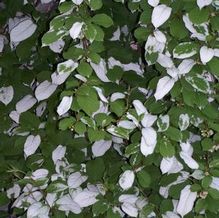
(99, 148)
(87, 99)
(44, 90)
(185, 50)
(198, 16)
(23, 30)
(183, 121)
(160, 15)
(206, 54)
(77, 2)
(144, 178)
(173, 134)
(118, 107)
(203, 3)
(95, 169)
(84, 69)
(153, 3)
(96, 4)
(126, 180)
(66, 67)
(214, 66)
(102, 20)
(166, 148)
(164, 85)
(31, 144)
(75, 180)
(163, 123)
(66, 123)
(64, 105)
(186, 201)
(99, 208)
(76, 29)
(58, 154)
(199, 83)
(6, 94)
(170, 165)
(148, 141)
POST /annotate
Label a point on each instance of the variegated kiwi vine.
(109, 108)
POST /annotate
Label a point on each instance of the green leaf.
(99, 208)
(173, 134)
(213, 65)
(207, 144)
(95, 135)
(96, 4)
(198, 16)
(102, 20)
(166, 148)
(84, 69)
(178, 29)
(87, 99)
(95, 169)
(80, 127)
(144, 178)
(206, 181)
(66, 123)
(118, 107)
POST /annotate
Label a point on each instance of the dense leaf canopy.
(109, 108)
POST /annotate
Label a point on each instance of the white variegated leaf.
(183, 121)
(58, 79)
(57, 46)
(58, 153)
(160, 15)
(165, 61)
(163, 123)
(117, 95)
(37, 209)
(22, 30)
(153, 3)
(206, 54)
(75, 30)
(44, 90)
(99, 148)
(130, 209)
(215, 183)
(86, 198)
(75, 180)
(126, 124)
(31, 144)
(148, 120)
(40, 174)
(67, 67)
(139, 107)
(64, 105)
(6, 94)
(100, 70)
(126, 180)
(77, 2)
(203, 3)
(148, 141)
(15, 116)
(186, 201)
(190, 162)
(25, 103)
(100, 94)
(66, 203)
(185, 66)
(164, 85)
(170, 165)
